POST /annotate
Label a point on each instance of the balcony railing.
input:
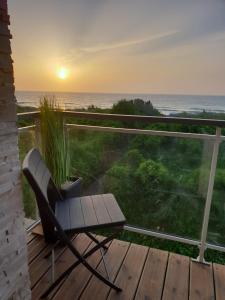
(198, 201)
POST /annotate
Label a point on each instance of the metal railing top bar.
(26, 128)
(155, 234)
(135, 131)
(148, 119)
(162, 235)
(145, 132)
(133, 118)
(33, 225)
(28, 114)
(172, 237)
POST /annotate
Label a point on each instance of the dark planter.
(71, 188)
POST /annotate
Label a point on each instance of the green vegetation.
(159, 182)
(26, 142)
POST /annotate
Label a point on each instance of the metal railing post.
(209, 196)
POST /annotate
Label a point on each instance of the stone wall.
(14, 280)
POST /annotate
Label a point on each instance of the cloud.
(80, 53)
(191, 34)
(102, 47)
(194, 32)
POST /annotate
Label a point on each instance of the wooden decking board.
(78, 279)
(62, 263)
(35, 248)
(41, 264)
(38, 266)
(30, 237)
(114, 258)
(143, 273)
(130, 272)
(153, 276)
(177, 278)
(33, 242)
(219, 278)
(201, 282)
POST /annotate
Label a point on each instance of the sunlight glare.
(62, 73)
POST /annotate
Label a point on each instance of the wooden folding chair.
(61, 216)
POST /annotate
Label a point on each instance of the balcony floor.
(142, 272)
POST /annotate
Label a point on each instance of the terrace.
(153, 273)
(190, 213)
(142, 273)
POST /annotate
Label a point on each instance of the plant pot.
(71, 188)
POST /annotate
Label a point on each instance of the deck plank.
(36, 246)
(201, 282)
(177, 278)
(41, 264)
(114, 258)
(63, 262)
(130, 272)
(153, 276)
(142, 273)
(219, 277)
(77, 280)
(30, 237)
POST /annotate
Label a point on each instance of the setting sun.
(62, 73)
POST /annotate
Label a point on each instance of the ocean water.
(166, 104)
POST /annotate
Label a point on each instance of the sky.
(119, 46)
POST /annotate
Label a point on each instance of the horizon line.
(121, 93)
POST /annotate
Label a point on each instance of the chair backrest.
(45, 191)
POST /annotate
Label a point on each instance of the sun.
(63, 73)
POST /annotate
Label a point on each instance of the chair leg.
(82, 259)
(95, 240)
(101, 244)
(100, 277)
(104, 263)
(102, 254)
(70, 269)
(50, 251)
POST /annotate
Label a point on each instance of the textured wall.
(14, 280)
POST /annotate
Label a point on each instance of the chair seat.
(90, 212)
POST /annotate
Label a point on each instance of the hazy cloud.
(151, 43)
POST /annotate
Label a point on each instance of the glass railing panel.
(159, 182)
(216, 230)
(26, 142)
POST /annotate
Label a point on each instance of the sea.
(166, 104)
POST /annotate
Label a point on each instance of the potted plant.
(55, 149)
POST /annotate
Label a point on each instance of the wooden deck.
(142, 273)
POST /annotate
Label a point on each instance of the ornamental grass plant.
(54, 145)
